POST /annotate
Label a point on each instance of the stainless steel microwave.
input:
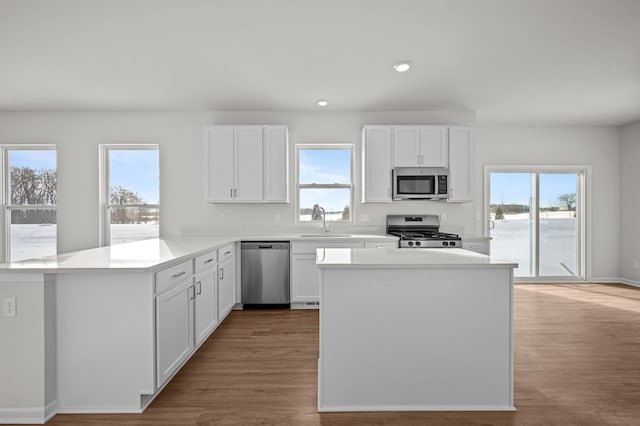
(420, 183)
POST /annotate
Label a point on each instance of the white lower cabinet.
(304, 273)
(226, 286)
(381, 244)
(188, 310)
(479, 246)
(174, 329)
(206, 304)
(304, 278)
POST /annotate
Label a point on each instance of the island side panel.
(105, 329)
(415, 339)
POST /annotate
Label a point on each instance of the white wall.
(630, 211)
(595, 146)
(77, 136)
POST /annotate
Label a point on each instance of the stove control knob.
(410, 243)
(452, 244)
(445, 244)
(417, 243)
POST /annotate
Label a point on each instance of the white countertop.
(406, 258)
(153, 254)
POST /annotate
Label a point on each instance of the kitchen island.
(414, 330)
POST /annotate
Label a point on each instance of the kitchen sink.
(327, 235)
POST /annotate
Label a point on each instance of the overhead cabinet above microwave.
(420, 146)
(387, 147)
(246, 164)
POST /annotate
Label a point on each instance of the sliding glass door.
(536, 219)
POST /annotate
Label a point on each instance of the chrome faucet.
(324, 221)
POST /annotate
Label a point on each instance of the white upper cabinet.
(218, 173)
(376, 164)
(433, 146)
(460, 188)
(420, 146)
(275, 164)
(246, 164)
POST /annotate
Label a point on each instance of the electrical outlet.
(276, 217)
(9, 306)
(222, 218)
(443, 217)
(636, 265)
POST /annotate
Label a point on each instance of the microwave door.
(417, 186)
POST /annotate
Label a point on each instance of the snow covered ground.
(511, 239)
(31, 241)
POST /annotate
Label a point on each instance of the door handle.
(199, 290)
(208, 260)
(235, 192)
(230, 192)
(179, 274)
(192, 292)
(222, 273)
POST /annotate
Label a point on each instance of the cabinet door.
(248, 163)
(460, 189)
(226, 287)
(219, 159)
(304, 278)
(376, 167)
(276, 165)
(433, 146)
(206, 305)
(406, 146)
(174, 328)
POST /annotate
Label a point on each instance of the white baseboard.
(614, 280)
(28, 415)
(101, 410)
(342, 408)
(630, 282)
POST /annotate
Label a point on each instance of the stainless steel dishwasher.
(265, 274)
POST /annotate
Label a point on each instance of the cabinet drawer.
(168, 277)
(310, 247)
(225, 253)
(380, 244)
(206, 261)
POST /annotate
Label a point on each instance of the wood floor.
(576, 362)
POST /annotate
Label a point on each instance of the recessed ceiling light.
(322, 102)
(402, 66)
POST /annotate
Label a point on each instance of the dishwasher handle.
(265, 246)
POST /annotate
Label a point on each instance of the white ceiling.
(511, 61)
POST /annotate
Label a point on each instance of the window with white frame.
(130, 193)
(325, 179)
(29, 196)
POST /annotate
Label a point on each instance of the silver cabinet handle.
(179, 274)
(235, 192)
(192, 292)
(227, 252)
(230, 192)
(199, 290)
(221, 273)
(208, 260)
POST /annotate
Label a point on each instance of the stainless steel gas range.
(421, 231)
